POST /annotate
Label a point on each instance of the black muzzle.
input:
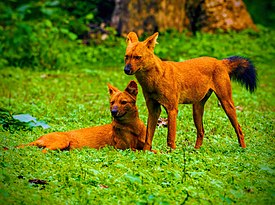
(128, 69)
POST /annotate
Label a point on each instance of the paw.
(147, 147)
(154, 151)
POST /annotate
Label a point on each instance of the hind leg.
(60, 145)
(224, 94)
(198, 109)
(52, 141)
(230, 110)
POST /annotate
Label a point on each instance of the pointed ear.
(112, 89)
(151, 41)
(131, 38)
(132, 88)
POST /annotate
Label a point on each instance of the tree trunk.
(149, 16)
(196, 15)
(213, 15)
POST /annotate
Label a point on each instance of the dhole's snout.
(128, 69)
(114, 111)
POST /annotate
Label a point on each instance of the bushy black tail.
(242, 70)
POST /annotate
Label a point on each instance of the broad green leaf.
(89, 16)
(32, 122)
(24, 118)
(133, 178)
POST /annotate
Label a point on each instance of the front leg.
(154, 112)
(172, 127)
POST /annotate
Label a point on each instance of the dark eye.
(137, 57)
(112, 102)
(126, 57)
(123, 102)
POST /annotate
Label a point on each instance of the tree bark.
(149, 16)
(213, 15)
(196, 15)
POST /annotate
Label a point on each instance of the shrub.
(43, 33)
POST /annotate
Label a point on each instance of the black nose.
(114, 111)
(127, 69)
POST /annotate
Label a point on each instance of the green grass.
(219, 173)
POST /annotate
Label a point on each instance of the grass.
(219, 173)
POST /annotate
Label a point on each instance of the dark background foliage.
(44, 34)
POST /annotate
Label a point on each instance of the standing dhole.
(169, 83)
(126, 130)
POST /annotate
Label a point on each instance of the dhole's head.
(123, 104)
(139, 55)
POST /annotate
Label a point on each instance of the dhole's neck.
(130, 128)
(154, 66)
(151, 73)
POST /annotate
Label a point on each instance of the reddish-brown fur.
(169, 83)
(125, 131)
